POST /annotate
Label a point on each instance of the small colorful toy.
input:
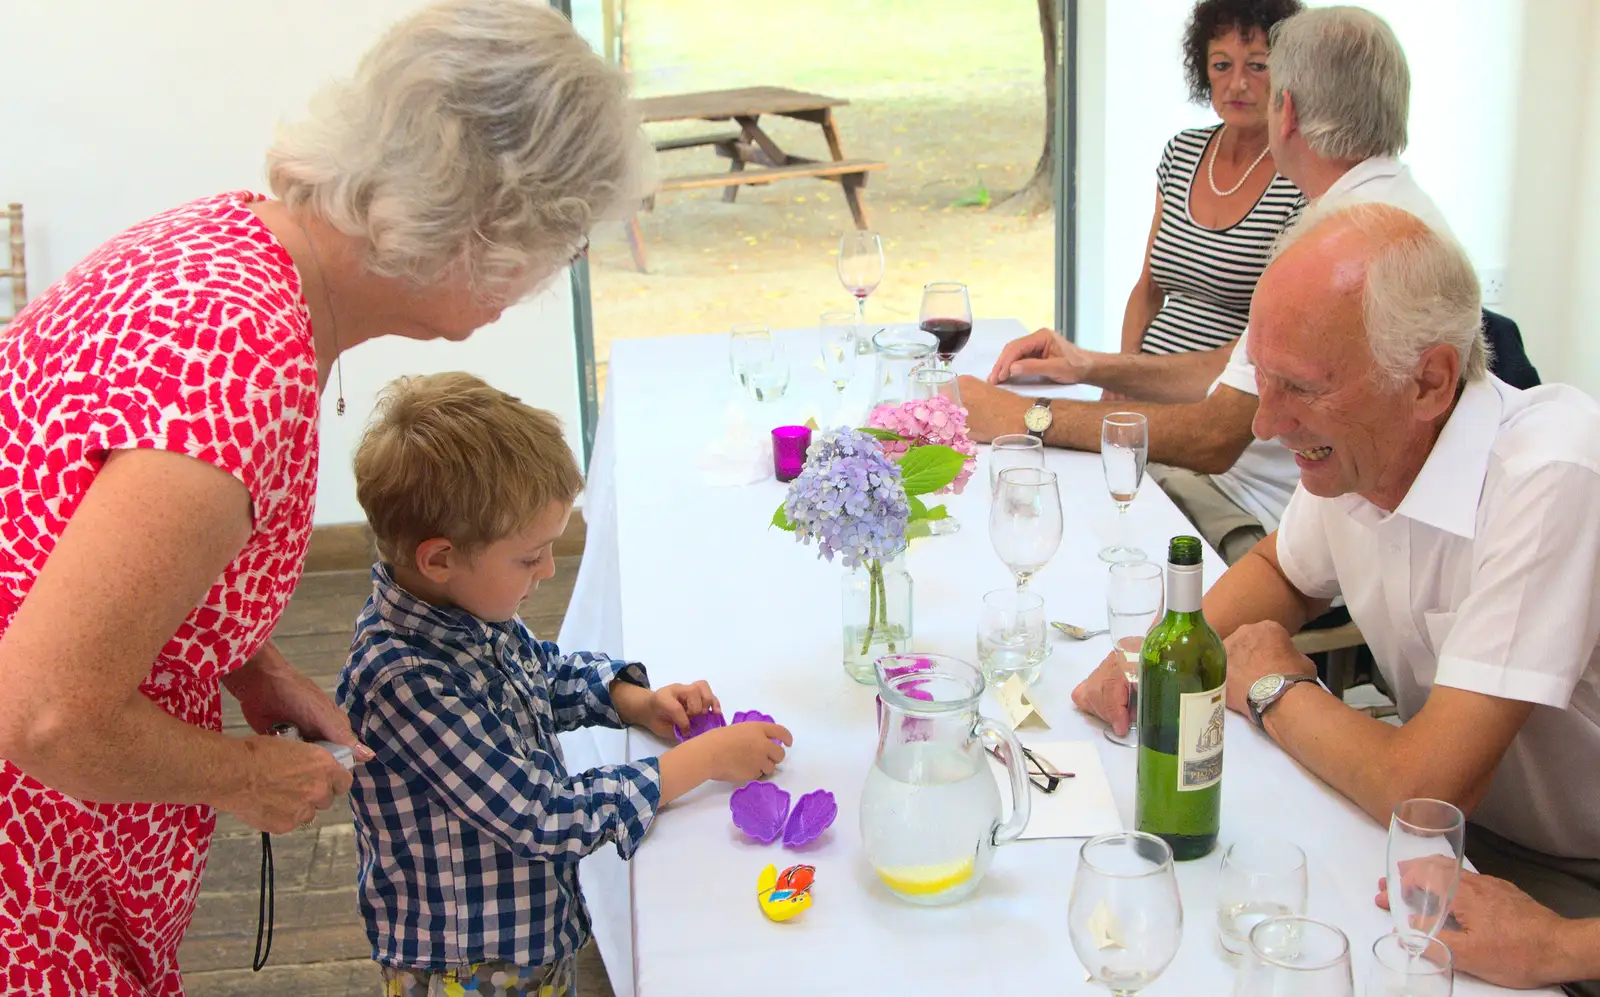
(783, 895)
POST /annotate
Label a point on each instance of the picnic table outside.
(754, 157)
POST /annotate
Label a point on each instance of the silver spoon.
(1078, 633)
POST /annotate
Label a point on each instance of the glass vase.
(876, 603)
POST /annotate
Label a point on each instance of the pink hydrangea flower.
(928, 421)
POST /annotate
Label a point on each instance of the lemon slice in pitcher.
(927, 880)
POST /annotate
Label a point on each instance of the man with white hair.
(1336, 120)
(1456, 516)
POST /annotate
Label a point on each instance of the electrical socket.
(1493, 282)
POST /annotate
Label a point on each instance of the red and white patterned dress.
(187, 333)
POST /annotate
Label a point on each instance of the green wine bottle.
(1183, 673)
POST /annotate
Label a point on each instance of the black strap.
(264, 907)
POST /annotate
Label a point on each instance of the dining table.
(684, 573)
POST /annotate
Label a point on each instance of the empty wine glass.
(1124, 914)
(1124, 448)
(1261, 878)
(861, 271)
(1410, 967)
(947, 314)
(748, 343)
(1025, 520)
(1013, 450)
(1426, 838)
(1135, 602)
(1295, 957)
(839, 349)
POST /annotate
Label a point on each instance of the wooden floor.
(320, 945)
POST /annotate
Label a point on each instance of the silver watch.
(1267, 690)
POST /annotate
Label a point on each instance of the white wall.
(115, 111)
(1465, 58)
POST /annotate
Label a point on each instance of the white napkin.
(1081, 807)
(742, 456)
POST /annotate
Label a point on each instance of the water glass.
(1124, 449)
(766, 375)
(1410, 967)
(839, 348)
(1013, 450)
(1025, 520)
(1261, 878)
(1426, 839)
(935, 382)
(1011, 635)
(1124, 915)
(1295, 957)
(749, 343)
(1135, 602)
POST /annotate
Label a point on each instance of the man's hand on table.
(1507, 938)
(992, 411)
(1045, 353)
(1258, 649)
(1104, 693)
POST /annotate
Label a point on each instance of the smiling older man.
(1457, 517)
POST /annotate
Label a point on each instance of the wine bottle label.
(1200, 719)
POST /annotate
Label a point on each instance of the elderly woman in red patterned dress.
(158, 429)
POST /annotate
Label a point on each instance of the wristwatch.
(1039, 418)
(1267, 690)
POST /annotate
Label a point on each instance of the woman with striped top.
(1220, 203)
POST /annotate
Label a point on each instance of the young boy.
(469, 826)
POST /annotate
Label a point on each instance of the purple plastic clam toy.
(813, 813)
(709, 720)
(759, 810)
(745, 716)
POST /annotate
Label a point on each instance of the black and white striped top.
(1208, 274)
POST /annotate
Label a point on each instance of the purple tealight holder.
(760, 810)
(751, 716)
(789, 444)
(813, 813)
(709, 720)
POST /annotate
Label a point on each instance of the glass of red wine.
(947, 315)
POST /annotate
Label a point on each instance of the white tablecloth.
(690, 580)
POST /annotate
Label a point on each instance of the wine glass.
(861, 271)
(1025, 520)
(1426, 838)
(935, 382)
(947, 314)
(1124, 914)
(1295, 957)
(1124, 448)
(1135, 602)
(1261, 878)
(749, 343)
(1013, 450)
(839, 349)
(1402, 967)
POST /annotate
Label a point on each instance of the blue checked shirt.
(468, 824)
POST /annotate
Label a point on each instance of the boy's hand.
(737, 753)
(660, 710)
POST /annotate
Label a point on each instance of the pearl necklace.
(1211, 167)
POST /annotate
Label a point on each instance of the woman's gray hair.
(481, 137)
(1420, 291)
(1349, 78)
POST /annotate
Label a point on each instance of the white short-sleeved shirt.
(1265, 475)
(1487, 578)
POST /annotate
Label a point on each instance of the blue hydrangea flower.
(849, 499)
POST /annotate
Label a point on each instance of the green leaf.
(979, 198)
(781, 521)
(937, 512)
(881, 434)
(918, 528)
(928, 469)
(921, 512)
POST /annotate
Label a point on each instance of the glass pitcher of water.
(930, 811)
(899, 353)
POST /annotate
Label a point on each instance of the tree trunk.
(1038, 194)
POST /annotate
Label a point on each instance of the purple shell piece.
(813, 813)
(759, 810)
(751, 715)
(709, 720)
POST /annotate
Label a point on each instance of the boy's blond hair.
(446, 455)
